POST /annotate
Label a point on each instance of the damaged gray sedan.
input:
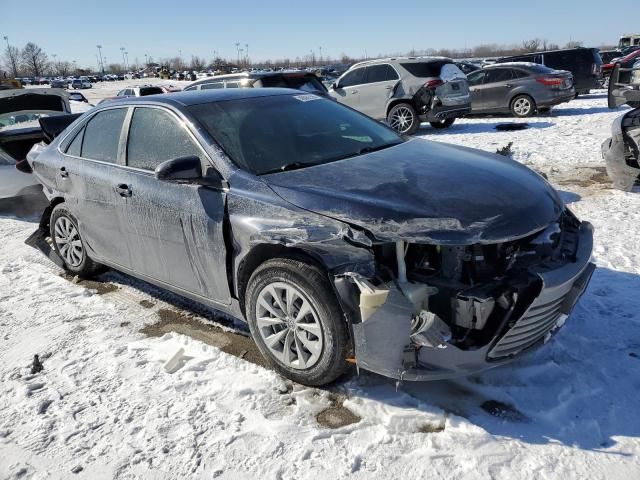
(337, 239)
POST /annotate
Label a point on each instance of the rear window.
(425, 69)
(540, 69)
(150, 91)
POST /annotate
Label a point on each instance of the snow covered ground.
(105, 407)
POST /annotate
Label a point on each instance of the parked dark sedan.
(334, 237)
(519, 88)
(585, 65)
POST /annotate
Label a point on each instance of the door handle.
(388, 87)
(63, 172)
(123, 190)
(354, 91)
(508, 85)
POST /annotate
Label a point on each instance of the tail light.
(551, 81)
(433, 83)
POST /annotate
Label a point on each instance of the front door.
(348, 88)
(175, 231)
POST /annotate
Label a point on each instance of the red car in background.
(625, 62)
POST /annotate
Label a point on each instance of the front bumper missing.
(382, 343)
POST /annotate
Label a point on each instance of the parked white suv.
(405, 91)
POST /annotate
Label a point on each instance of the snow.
(105, 406)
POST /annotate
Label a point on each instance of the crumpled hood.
(426, 192)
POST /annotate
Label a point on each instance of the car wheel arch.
(395, 101)
(260, 254)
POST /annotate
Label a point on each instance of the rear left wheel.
(403, 118)
(69, 245)
(523, 106)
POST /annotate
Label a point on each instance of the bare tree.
(12, 59)
(197, 63)
(573, 44)
(532, 45)
(34, 59)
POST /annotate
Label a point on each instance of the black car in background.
(335, 237)
(306, 81)
(584, 63)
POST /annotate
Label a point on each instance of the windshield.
(271, 134)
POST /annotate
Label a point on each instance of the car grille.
(529, 329)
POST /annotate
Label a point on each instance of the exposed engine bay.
(464, 297)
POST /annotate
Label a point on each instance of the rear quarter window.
(424, 69)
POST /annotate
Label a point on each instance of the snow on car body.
(332, 235)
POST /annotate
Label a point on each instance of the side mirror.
(181, 169)
(335, 86)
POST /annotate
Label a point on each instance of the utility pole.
(12, 58)
(100, 54)
(123, 58)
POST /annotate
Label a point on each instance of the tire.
(321, 334)
(519, 107)
(443, 123)
(63, 225)
(403, 118)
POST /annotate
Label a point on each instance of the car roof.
(197, 97)
(512, 64)
(253, 75)
(425, 59)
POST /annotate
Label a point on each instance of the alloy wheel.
(68, 241)
(522, 106)
(402, 119)
(289, 325)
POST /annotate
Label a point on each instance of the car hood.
(426, 192)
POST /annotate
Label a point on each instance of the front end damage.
(621, 151)
(434, 311)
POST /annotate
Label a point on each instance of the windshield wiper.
(364, 150)
(290, 166)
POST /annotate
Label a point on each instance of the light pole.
(127, 59)
(238, 53)
(75, 69)
(320, 48)
(11, 57)
(146, 60)
(54, 62)
(247, 53)
(99, 47)
(124, 59)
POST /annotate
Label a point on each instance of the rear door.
(174, 230)
(497, 87)
(376, 90)
(89, 176)
(348, 91)
(476, 80)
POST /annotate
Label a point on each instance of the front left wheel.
(296, 322)
(69, 245)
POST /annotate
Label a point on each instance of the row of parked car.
(405, 91)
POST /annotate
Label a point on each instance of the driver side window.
(355, 77)
(154, 137)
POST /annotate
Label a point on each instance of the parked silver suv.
(406, 91)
